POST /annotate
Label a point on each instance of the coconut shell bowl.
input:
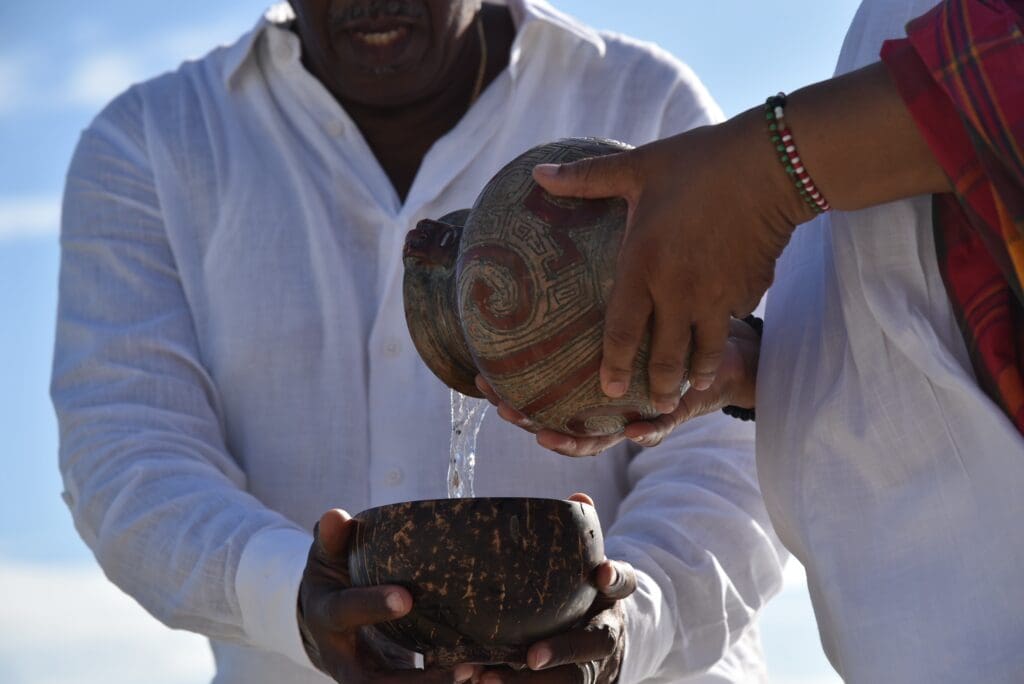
(488, 576)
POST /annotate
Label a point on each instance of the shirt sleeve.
(695, 527)
(151, 485)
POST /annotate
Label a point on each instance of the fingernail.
(546, 169)
(614, 579)
(395, 602)
(541, 657)
(615, 388)
(702, 382)
(463, 673)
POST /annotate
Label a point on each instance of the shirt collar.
(528, 15)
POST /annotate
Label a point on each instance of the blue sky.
(59, 62)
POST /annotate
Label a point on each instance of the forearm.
(856, 140)
(147, 473)
(181, 538)
(859, 141)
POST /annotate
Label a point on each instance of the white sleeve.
(696, 529)
(150, 483)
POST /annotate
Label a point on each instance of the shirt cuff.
(267, 585)
(648, 637)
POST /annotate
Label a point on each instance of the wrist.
(859, 141)
(779, 205)
(267, 586)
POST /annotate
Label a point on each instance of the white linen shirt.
(232, 357)
(887, 471)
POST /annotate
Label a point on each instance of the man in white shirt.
(232, 358)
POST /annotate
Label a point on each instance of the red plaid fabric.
(961, 73)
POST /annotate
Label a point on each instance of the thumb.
(332, 533)
(615, 579)
(613, 175)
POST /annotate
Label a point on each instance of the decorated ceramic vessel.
(515, 289)
(488, 577)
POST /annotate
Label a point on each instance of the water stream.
(467, 415)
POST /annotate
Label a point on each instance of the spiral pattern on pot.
(533, 275)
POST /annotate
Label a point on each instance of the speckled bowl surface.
(488, 576)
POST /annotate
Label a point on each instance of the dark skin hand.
(711, 210)
(333, 616)
(735, 385)
(404, 70)
(590, 652)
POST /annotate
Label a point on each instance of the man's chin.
(386, 86)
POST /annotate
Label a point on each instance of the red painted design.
(560, 220)
(526, 357)
(481, 292)
(558, 390)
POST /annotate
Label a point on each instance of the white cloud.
(191, 42)
(24, 217)
(103, 64)
(97, 78)
(12, 83)
(69, 624)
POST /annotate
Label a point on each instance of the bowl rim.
(451, 501)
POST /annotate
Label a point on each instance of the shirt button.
(394, 476)
(391, 348)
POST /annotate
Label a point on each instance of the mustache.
(369, 10)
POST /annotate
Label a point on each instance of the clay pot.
(489, 577)
(516, 288)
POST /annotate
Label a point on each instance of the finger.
(464, 672)
(742, 330)
(649, 433)
(596, 641)
(629, 309)
(348, 609)
(708, 345)
(565, 674)
(428, 676)
(615, 579)
(332, 533)
(581, 498)
(670, 346)
(486, 390)
(612, 175)
(511, 415)
(570, 445)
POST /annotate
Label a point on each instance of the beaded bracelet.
(735, 411)
(782, 138)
